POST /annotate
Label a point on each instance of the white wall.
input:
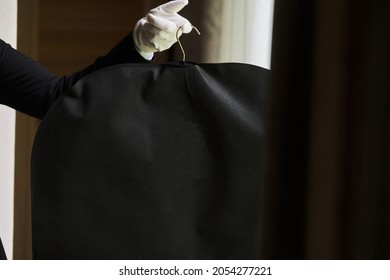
(247, 31)
(8, 13)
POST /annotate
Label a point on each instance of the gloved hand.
(156, 32)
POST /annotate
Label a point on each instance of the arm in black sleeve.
(30, 88)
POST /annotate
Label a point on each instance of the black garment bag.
(142, 161)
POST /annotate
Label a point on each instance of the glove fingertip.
(187, 28)
(173, 6)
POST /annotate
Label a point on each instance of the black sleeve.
(30, 88)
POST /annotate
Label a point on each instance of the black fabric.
(151, 162)
(2, 252)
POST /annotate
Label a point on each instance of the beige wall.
(7, 136)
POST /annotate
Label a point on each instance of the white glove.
(156, 32)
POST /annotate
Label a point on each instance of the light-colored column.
(247, 32)
(8, 14)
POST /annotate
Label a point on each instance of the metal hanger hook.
(178, 40)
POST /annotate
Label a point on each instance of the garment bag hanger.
(180, 44)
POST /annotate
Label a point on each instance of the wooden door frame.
(25, 129)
